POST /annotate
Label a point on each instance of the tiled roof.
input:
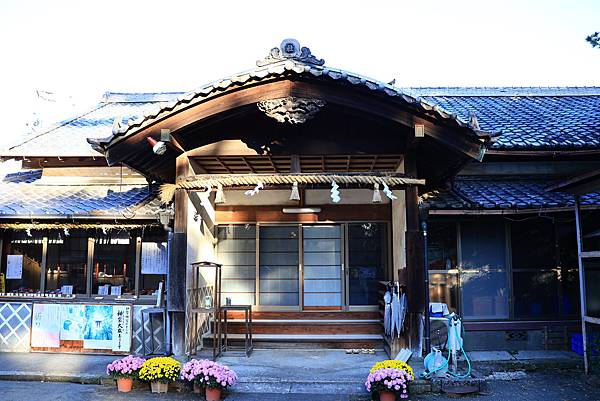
(69, 137)
(24, 198)
(275, 68)
(529, 118)
(487, 193)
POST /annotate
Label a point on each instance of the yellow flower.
(161, 368)
(393, 364)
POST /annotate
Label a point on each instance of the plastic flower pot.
(124, 384)
(159, 387)
(387, 396)
(213, 394)
(198, 389)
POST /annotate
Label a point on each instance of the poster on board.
(155, 258)
(121, 328)
(98, 330)
(73, 322)
(14, 267)
(45, 325)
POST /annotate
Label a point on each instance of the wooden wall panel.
(329, 213)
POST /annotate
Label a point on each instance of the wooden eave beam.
(244, 96)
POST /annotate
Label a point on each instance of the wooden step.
(316, 328)
(309, 341)
(307, 315)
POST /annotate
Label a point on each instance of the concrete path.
(283, 371)
(543, 385)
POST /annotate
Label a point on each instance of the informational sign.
(98, 327)
(155, 258)
(45, 325)
(103, 289)
(98, 331)
(14, 267)
(73, 322)
(115, 290)
(121, 328)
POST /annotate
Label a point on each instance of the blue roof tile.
(529, 118)
(24, 198)
(487, 193)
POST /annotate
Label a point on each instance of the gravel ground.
(535, 386)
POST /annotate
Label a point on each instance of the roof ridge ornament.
(290, 49)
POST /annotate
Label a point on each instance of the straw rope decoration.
(72, 226)
(167, 191)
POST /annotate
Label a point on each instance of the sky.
(71, 52)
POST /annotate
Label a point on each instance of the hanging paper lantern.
(295, 195)
(335, 194)
(376, 193)
(220, 195)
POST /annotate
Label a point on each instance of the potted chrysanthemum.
(192, 373)
(389, 379)
(159, 372)
(216, 378)
(124, 371)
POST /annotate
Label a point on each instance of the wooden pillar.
(414, 256)
(178, 262)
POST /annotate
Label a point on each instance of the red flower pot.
(213, 394)
(198, 389)
(387, 396)
(124, 384)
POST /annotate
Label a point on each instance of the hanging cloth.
(387, 315)
(403, 309)
(395, 314)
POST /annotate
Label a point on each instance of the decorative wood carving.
(293, 110)
(290, 49)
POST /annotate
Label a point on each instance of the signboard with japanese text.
(14, 267)
(121, 328)
(76, 327)
(155, 258)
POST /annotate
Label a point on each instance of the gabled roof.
(550, 118)
(298, 64)
(69, 137)
(504, 193)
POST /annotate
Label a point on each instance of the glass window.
(442, 256)
(535, 274)
(367, 261)
(279, 266)
(441, 245)
(29, 248)
(237, 253)
(484, 282)
(592, 295)
(114, 263)
(533, 244)
(569, 268)
(67, 261)
(322, 266)
(443, 287)
(149, 282)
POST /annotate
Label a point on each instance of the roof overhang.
(579, 185)
(282, 77)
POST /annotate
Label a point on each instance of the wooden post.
(582, 299)
(178, 261)
(44, 264)
(414, 256)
